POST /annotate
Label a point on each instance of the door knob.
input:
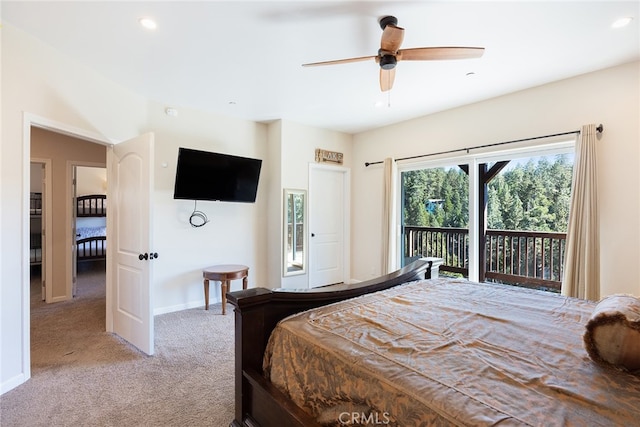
(313, 234)
(145, 256)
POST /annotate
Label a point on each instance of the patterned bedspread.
(86, 232)
(449, 352)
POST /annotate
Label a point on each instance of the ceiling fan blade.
(392, 37)
(386, 79)
(438, 53)
(340, 61)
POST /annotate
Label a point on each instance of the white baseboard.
(12, 383)
(185, 306)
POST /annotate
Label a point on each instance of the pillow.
(612, 335)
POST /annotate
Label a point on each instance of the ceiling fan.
(390, 53)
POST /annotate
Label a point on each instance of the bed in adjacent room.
(35, 228)
(423, 352)
(91, 230)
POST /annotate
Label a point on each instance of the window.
(435, 215)
(522, 205)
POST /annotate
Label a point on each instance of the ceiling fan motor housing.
(388, 62)
(388, 20)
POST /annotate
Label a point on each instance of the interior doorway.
(89, 218)
(55, 159)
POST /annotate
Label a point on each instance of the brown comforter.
(449, 352)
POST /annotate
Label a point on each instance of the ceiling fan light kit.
(388, 62)
(390, 53)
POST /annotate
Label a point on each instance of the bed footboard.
(91, 248)
(258, 310)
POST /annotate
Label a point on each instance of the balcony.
(531, 259)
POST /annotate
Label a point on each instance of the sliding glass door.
(435, 215)
(522, 205)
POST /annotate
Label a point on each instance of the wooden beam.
(495, 170)
(485, 175)
(482, 220)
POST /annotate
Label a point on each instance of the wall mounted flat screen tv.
(203, 175)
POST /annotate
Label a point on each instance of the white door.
(129, 241)
(328, 225)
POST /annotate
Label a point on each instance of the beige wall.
(91, 180)
(610, 97)
(64, 151)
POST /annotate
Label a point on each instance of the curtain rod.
(599, 128)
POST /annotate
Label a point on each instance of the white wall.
(610, 97)
(273, 253)
(91, 180)
(299, 143)
(236, 233)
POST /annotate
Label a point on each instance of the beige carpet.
(84, 376)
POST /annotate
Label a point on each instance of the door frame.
(70, 214)
(346, 254)
(29, 120)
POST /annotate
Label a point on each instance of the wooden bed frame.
(91, 205)
(91, 248)
(35, 228)
(258, 310)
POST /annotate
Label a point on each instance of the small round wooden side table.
(224, 273)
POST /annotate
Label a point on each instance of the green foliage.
(534, 196)
(531, 196)
(436, 197)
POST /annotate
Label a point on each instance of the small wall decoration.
(326, 156)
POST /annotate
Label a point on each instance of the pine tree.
(533, 196)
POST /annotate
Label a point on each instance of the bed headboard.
(91, 205)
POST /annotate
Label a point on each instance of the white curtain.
(389, 217)
(582, 257)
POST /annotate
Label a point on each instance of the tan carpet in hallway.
(84, 376)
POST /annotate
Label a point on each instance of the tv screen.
(203, 175)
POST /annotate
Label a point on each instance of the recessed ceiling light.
(148, 23)
(622, 22)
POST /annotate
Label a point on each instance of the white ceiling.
(243, 59)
